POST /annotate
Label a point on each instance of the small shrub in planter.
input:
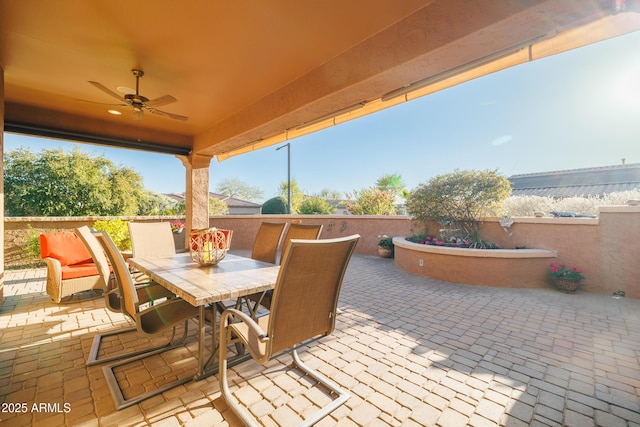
(459, 200)
(385, 246)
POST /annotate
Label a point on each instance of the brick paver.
(412, 351)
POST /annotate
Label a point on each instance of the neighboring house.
(236, 206)
(578, 182)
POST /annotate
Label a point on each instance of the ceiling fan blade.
(165, 114)
(163, 100)
(107, 90)
(102, 103)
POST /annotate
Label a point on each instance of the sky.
(579, 109)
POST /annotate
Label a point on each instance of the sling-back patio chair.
(295, 231)
(265, 249)
(151, 239)
(265, 246)
(150, 320)
(304, 304)
(147, 293)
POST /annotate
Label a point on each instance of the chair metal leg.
(222, 374)
(342, 396)
(114, 387)
(97, 341)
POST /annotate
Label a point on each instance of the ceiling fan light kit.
(140, 103)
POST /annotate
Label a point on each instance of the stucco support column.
(197, 196)
(2, 185)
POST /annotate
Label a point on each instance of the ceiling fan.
(139, 103)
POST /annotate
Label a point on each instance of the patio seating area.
(410, 351)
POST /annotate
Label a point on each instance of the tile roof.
(230, 201)
(595, 181)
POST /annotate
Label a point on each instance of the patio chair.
(149, 293)
(295, 231)
(265, 247)
(151, 320)
(70, 268)
(305, 299)
(151, 239)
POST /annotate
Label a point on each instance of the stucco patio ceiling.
(252, 74)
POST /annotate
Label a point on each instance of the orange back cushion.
(64, 246)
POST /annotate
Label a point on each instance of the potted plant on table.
(565, 279)
(385, 246)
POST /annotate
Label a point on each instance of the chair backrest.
(300, 232)
(65, 246)
(151, 239)
(96, 252)
(265, 247)
(305, 298)
(123, 277)
(113, 299)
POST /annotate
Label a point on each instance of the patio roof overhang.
(250, 77)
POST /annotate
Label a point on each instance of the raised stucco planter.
(507, 268)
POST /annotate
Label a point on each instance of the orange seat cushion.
(64, 246)
(79, 270)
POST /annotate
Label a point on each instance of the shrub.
(275, 205)
(459, 199)
(315, 206)
(218, 207)
(527, 205)
(372, 201)
(31, 245)
(117, 230)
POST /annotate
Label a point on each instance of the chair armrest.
(54, 269)
(252, 324)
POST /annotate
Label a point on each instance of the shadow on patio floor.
(412, 351)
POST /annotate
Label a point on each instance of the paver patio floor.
(411, 351)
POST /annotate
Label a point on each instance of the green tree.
(315, 205)
(372, 201)
(391, 183)
(460, 199)
(296, 194)
(235, 188)
(59, 183)
(152, 203)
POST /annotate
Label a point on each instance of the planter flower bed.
(456, 243)
(511, 268)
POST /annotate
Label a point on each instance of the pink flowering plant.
(560, 271)
(177, 226)
(424, 239)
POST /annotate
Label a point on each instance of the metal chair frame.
(152, 320)
(304, 288)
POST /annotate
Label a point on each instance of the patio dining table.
(204, 285)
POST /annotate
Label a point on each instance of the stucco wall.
(508, 268)
(369, 228)
(605, 248)
(245, 228)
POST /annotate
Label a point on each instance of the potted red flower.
(564, 278)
